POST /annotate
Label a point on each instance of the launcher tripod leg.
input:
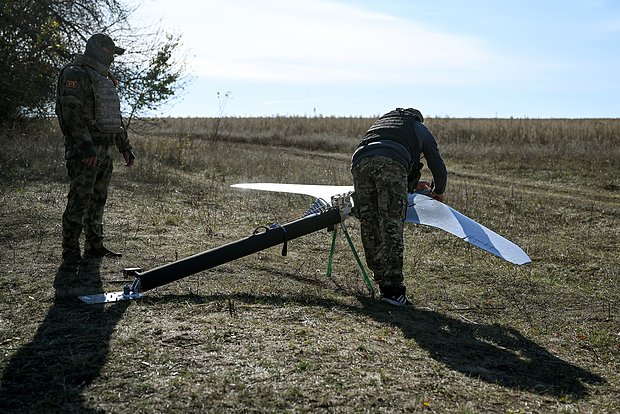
(331, 252)
(357, 258)
(359, 262)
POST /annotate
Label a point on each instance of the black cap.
(105, 41)
(412, 112)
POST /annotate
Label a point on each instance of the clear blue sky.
(475, 58)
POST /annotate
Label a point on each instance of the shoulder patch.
(72, 84)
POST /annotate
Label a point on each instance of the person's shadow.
(67, 352)
(71, 346)
(492, 353)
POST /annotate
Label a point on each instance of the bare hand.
(438, 197)
(423, 185)
(129, 160)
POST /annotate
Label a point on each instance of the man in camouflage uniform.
(88, 110)
(385, 167)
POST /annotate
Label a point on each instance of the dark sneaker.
(395, 296)
(400, 300)
(99, 252)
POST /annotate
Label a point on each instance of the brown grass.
(268, 333)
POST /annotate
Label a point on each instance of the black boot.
(99, 252)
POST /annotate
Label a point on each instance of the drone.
(332, 206)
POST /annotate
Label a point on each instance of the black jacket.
(401, 135)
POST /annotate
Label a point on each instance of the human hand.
(129, 158)
(438, 197)
(423, 185)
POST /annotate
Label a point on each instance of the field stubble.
(268, 333)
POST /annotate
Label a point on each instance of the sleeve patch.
(72, 84)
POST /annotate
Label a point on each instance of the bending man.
(385, 167)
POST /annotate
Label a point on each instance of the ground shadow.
(67, 353)
(492, 353)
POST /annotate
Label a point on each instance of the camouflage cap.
(106, 41)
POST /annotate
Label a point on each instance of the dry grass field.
(268, 333)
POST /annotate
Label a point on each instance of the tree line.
(39, 37)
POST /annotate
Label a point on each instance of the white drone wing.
(322, 192)
(425, 210)
(421, 210)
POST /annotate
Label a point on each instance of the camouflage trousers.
(380, 199)
(88, 192)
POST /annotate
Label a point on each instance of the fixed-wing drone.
(421, 209)
(332, 206)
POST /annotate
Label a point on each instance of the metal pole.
(211, 258)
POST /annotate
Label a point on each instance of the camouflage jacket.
(88, 108)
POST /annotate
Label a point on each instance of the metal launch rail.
(260, 240)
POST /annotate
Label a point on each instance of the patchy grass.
(268, 333)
